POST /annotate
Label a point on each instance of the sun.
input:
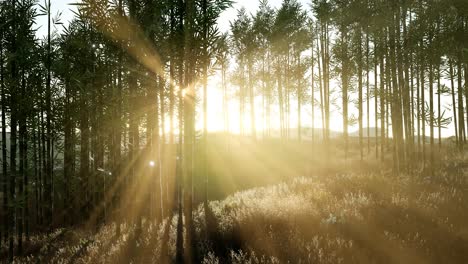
(215, 114)
(230, 120)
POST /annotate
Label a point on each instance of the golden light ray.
(261, 165)
(139, 47)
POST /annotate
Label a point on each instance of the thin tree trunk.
(382, 99)
(360, 95)
(68, 153)
(376, 102)
(48, 158)
(461, 117)
(36, 176)
(189, 128)
(22, 160)
(6, 226)
(206, 61)
(321, 91)
(241, 98)
(299, 103)
(252, 100)
(157, 144)
(162, 146)
(466, 80)
(344, 85)
(431, 110)
(42, 172)
(367, 91)
(423, 106)
(418, 110)
(179, 161)
(13, 138)
(312, 91)
(280, 99)
(12, 183)
(439, 117)
(454, 104)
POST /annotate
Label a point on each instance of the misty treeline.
(88, 106)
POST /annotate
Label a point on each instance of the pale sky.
(251, 6)
(215, 94)
(56, 6)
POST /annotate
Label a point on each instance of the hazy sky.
(251, 6)
(64, 7)
(229, 15)
(57, 6)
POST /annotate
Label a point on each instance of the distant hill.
(306, 133)
(372, 132)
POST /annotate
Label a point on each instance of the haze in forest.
(220, 131)
(66, 10)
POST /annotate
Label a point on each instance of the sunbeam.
(220, 131)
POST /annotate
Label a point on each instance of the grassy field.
(365, 217)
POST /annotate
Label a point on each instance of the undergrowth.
(343, 218)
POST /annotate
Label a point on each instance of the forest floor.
(343, 218)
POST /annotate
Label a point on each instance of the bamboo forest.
(234, 131)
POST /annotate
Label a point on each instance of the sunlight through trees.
(126, 115)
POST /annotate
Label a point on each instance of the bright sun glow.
(216, 115)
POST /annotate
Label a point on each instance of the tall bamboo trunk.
(404, 77)
(410, 76)
(48, 95)
(322, 111)
(285, 86)
(157, 145)
(241, 98)
(12, 183)
(5, 179)
(117, 135)
(418, 110)
(22, 202)
(299, 103)
(466, 79)
(163, 149)
(68, 154)
(36, 176)
(367, 91)
(326, 68)
(13, 139)
(454, 104)
(382, 98)
(344, 85)
(42, 171)
(376, 102)
(360, 91)
(431, 111)
(439, 110)
(179, 160)
(312, 91)
(84, 154)
(280, 99)
(189, 129)
(423, 105)
(170, 177)
(461, 117)
(206, 62)
(270, 94)
(252, 100)
(401, 91)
